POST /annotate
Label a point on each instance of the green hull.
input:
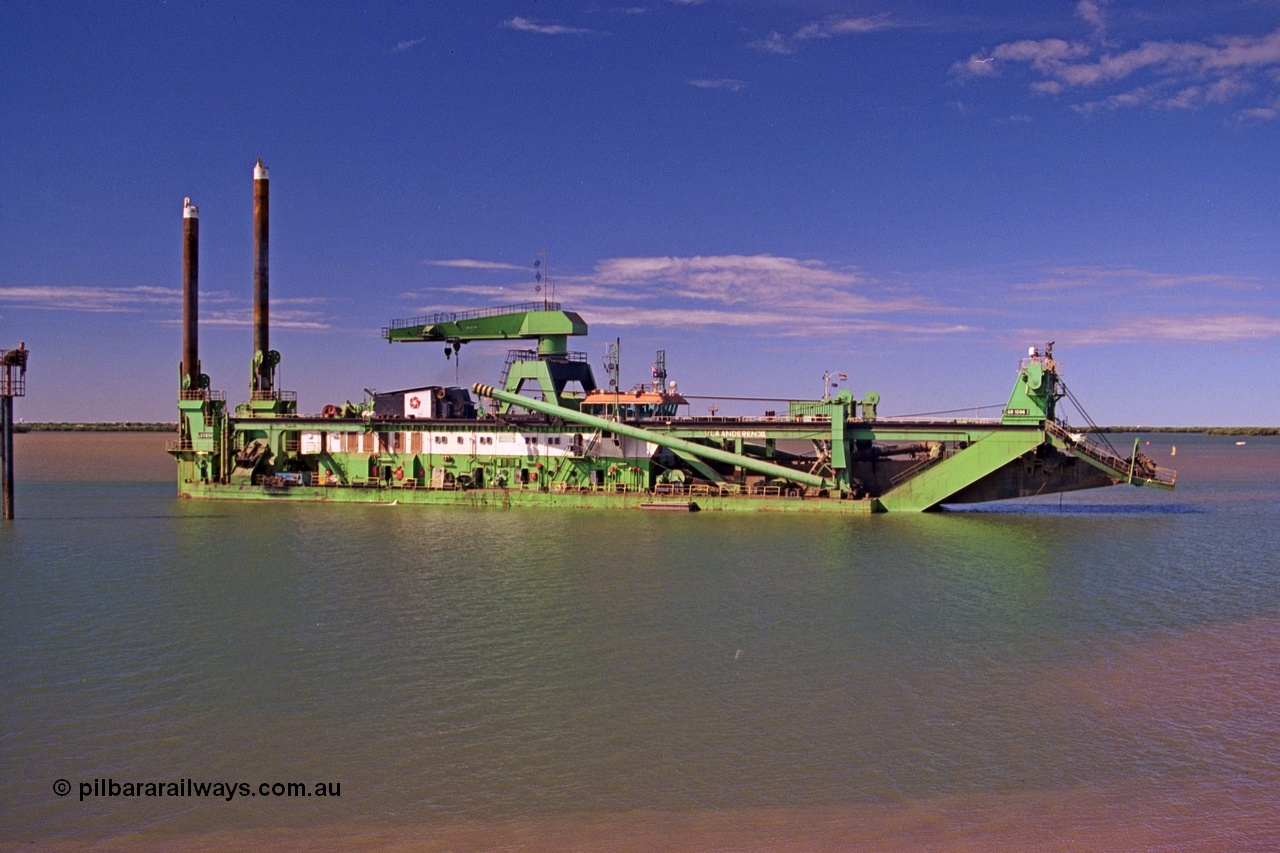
(529, 498)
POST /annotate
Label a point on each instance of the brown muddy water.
(1099, 671)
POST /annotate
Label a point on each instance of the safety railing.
(205, 394)
(455, 316)
(274, 394)
(1137, 465)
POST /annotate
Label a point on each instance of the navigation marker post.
(13, 383)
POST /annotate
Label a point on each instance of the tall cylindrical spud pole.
(190, 295)
(261, 333)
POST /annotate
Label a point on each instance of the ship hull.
(525, 498)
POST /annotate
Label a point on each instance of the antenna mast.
(612, 363)
(543, 279)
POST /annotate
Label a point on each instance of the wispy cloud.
(769, 322)
(1122, 305)
(310, 321)
(730, 279)
(578, 288)
(1095, 13)
(163, 303)
(468, 264)
(407, 45)
(766, 295)
(1201, 329)
(718, 83)
(1113, 281)
(1169, 75)
(762, 293)
(830, 27)
(771, 293)
(528, 25)
(93, 299)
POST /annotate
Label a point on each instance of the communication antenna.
(612, 368)
(542, 278)
(831, 380)
(611, 362)
(660, 371)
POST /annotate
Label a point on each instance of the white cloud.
(94, 299)
(830, 27)
(1112, 281)
(719, 83)
(775, 42)
(407, 44)
(1200, 308)
(725, 278)
(840, 26)
(771, 322)
(795, 293)
(243, 318)
(165, 300)
(1266, 112)
(465, 263)
(528, 25)
(762, 293)
(1095, 13)
(1169, 74)
(1203, 329)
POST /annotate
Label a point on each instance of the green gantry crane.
(552, 366)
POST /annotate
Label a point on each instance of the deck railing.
(455, 316)
(1137, 466)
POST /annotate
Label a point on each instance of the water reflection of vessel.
(582, 445)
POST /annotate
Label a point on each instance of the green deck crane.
(552, 366)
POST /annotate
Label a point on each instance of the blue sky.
(910, 193)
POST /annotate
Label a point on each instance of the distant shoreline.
(140, 426)
(125, 426)
(1201, 430)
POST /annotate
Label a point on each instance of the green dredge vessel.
(582, 445)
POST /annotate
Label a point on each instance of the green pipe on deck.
(701, 450)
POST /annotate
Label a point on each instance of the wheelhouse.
(637, 404)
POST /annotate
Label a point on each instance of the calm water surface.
(1099, 671)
